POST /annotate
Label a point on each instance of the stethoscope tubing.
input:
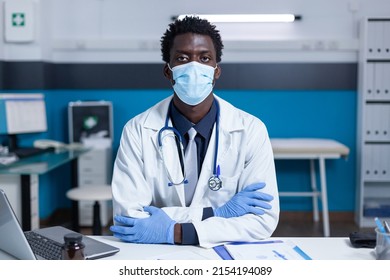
(216, 170)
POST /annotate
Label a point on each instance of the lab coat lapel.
(208, 163)
(155, 122)
(229, 122)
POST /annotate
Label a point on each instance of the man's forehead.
(193, 41)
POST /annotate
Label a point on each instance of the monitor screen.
(90, 119)
(22, 113)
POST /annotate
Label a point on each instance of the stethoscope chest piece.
(215, 183)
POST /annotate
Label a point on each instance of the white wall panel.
(100, 28)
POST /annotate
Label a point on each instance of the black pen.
(386, 226)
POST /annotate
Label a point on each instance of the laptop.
(15, 242)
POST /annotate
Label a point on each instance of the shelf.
(373, 145)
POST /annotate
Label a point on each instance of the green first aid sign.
(18, 19)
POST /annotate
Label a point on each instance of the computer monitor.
(22, 113)
(90, 119)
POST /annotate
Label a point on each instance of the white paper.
(5, 160)
(273, 250)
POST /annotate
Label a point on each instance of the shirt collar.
(203, 127)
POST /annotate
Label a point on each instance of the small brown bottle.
(73, 248)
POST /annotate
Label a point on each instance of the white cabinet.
(373, 146)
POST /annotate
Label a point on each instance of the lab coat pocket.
(228, 190)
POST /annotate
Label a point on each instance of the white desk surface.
(318, 248)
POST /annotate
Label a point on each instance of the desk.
(24, 173)
(318, 248)
(311, 149)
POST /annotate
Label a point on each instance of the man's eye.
(182, 58)
(205, 59)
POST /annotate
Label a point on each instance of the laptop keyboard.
(43, 247)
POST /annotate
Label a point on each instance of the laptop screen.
(12, 239)
(14, 242)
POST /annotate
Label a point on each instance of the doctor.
(215, 188)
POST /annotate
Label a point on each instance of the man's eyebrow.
(190, 51)
(206, 51)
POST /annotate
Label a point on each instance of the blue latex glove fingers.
(254, 187)
(160, 227)
(235, 207)
(152, 210)
(253, 202)
(258, 202)
(257, 199)
(262, 196)
(126, 224)
(157, 228)
(248, 200)
(261, 204)
(122, 231)
(125, 221)
(255, 195)
(256, 210)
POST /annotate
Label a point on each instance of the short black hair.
(190, 24)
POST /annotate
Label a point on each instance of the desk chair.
(91, 193)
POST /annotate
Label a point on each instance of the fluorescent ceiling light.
(247, 17)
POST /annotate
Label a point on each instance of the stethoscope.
(214, 182)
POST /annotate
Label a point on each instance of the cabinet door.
(376, 163)
(377, 122)
(375, 40)
(93, 180)
(95, 168)
(94, 162)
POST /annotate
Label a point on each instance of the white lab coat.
(244, 155)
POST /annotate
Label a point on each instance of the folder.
(265, 250)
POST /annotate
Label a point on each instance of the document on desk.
(265, 250)
(6, 160)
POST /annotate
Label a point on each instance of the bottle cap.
(73, 237)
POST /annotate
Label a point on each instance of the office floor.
(291, 224)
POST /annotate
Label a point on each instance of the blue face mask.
(193, 82)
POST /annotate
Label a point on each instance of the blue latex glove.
(249, 200)
(157, 228)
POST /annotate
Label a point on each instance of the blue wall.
(326, 114)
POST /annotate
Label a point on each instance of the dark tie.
(191, 166)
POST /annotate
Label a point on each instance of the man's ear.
(217, 72)
(167, 73)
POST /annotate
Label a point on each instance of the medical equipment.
(214, 182)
